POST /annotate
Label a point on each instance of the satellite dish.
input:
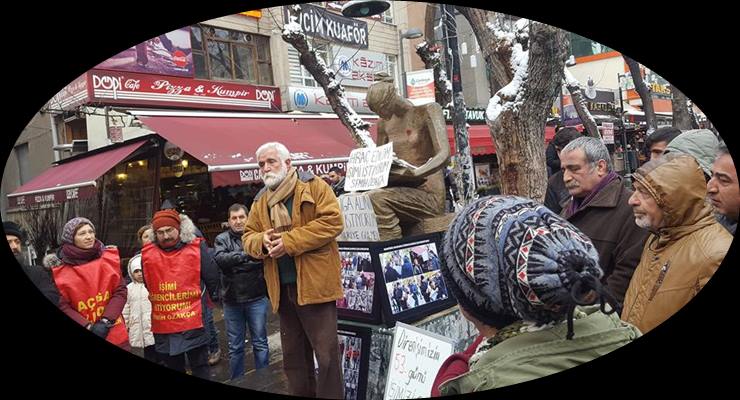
(590, 89)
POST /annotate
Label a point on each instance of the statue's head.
(381, 95)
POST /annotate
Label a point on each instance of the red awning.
(481, 142)
(70, 180)
(228, 145)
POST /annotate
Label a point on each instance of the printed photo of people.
(350, 350)
(358, 281)
(408, 262)
(405, 294)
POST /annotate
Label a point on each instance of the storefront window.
(225, 54)
(125, 198)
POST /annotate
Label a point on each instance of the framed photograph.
(359, 277)
(412, 284)
(354, 356)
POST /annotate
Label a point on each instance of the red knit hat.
(166, 218)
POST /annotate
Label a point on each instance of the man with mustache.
(292, 226)
(39, 276)
(686, 245)
(173, 266)
(598, 207)
(723, 189)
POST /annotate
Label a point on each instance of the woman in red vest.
(93, 291)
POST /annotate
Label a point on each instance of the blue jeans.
(211, 329)
(238, 316)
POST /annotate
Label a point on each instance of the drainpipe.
(54, 137)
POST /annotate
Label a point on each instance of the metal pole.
(463, 158)
(402, 64)
(627, 166)
(54, 137)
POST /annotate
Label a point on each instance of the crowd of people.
(590, 271)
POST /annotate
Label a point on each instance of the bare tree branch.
(576, 95)
(644, 91)
(325, 77)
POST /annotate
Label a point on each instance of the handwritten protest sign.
(360, 223)
(415, 359)
(368, 168)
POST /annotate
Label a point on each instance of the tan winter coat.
(316, 221)
(681, 257)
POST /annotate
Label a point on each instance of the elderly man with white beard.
(686, 243)
(292, 226)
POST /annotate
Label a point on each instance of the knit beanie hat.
(166, 218)
(71, 227)
(508, 258)
(13, 229)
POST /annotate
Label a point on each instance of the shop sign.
(472, 115)
(420, 86)
(318, 22)
(140, 89)
(73, 95)
(308, 99)
(357, 67)
(607, 132)
(253, 175)
(56, 196)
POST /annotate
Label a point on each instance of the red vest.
(173, 280)
(88, 287)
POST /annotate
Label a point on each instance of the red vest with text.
(88, 287)
(173, 280)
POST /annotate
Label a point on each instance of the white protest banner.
(368, 168)
(360, 222)
(416, 356)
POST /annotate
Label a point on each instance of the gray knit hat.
(70, 228)
(508, 258)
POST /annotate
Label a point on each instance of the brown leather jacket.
(680, 258)
(317, 221)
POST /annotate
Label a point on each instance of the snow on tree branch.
(510, 96)
(576, 94)
(293, 34)
(433, 60)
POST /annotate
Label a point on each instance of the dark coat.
(610, 224)
(557, 194)
(243, 276)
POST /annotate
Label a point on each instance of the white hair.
(282, 151)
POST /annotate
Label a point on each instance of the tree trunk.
(429, 54)
(332, 88)
(464, 177)
(644, 91)
(576, 95)
(682, 118)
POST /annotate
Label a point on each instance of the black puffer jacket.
(243, 278)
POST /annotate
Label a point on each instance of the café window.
(581, 46)
(224, 54)
(298, 74)
(392, 69)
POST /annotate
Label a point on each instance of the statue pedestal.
(429, 225)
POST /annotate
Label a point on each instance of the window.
(21, 153)
(390, 62)
(581, 46)
(223, 54)
(298, 74)
(387, 15)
